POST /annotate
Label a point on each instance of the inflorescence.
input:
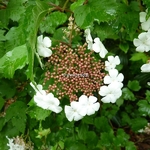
(73, 71)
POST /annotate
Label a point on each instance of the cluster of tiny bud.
(71, 27)
(74, 71)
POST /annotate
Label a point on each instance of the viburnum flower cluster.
(76, 74)
(143, 42)
(74, 71)
(112, 91)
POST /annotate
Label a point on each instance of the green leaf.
(2, 122)
(107, 138)
(125, 24)
(15, 9)
(82, 132)
(38, 113)
(91, 142)
(148, 95)
(16, 113)
(71, 144)
(119, 101)
(76, 4)
(130, 146)
(134, 85)
(127, 94)
(3, 143)
(144, 107)
(39, 11)
(7, 88)
(124, 47)
(2, 102)
(121, 138)
(105, 30)
(138, 123)
(139, 56)
(2, 37)
(77, 146)
(86, 14)
(102, 124)
(12, 39)
(13, 60)
(52, 21)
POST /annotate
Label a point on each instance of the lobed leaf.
(94, 10)
(16, 113)
(134, 85)
(52, 21)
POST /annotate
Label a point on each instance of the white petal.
(146, 25)
(96, 46)
(109, 98)
(143, 36)
(117, 84)
(142, 16)
(140, 48)
(136, 42)
(96, 106)
(75, 105)
(56, 109)
(69, 113)
(103, 52)
(83, 111)
(107, 79)
(43, 51)
(111, 58)
(117, 60)
(113, 73)
(104, 90)
(148, 83)
(83, 99)
(39, 99)
(40, 39)
(90, 111)
(145, 68)
(120, 77)
(77, 117)
(92, 99)
(47, 42)
(89, 39)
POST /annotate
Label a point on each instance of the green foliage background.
(116, 23)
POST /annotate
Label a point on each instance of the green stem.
(64, 7)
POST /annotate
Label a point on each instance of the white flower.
(111, 93)
(89, 39)
(88, 106)
(72, 111)
(145, 67)
(14, 146)
(112, 62)
(98, 47)
(43, 46)
(114, 77)
(143, 42)
(145, 24)
(46, 101)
